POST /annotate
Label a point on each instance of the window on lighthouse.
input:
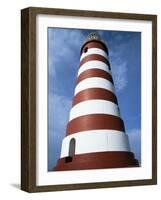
(71, 150)
(72, 147)
(85, 49)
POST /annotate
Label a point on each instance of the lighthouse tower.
(95, 134)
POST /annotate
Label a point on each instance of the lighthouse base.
(98, 160)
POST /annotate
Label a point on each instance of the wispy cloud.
(64, 47)
(135, 142)
(59, 107)
(119, 66)
(119, 71)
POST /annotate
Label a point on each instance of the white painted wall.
(94, 106)
(10, 99)
(94, 82)
(94, 64)
(94, 51)
(96, 141)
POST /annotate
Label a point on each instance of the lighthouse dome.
(93, 36)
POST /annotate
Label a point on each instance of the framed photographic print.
(88, 99)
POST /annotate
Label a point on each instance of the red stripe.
(94, 73)
(98, 160)
(95, 121)
(94, 93)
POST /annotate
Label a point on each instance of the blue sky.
(63, 61)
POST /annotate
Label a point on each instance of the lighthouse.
(95, 133)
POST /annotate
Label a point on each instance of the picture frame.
(29, 98)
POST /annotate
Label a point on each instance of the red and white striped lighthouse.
(95, 135)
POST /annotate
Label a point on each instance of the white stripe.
(96, 141)
(94, 82)
(94, 107)
(94, 51)
(94, 64)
